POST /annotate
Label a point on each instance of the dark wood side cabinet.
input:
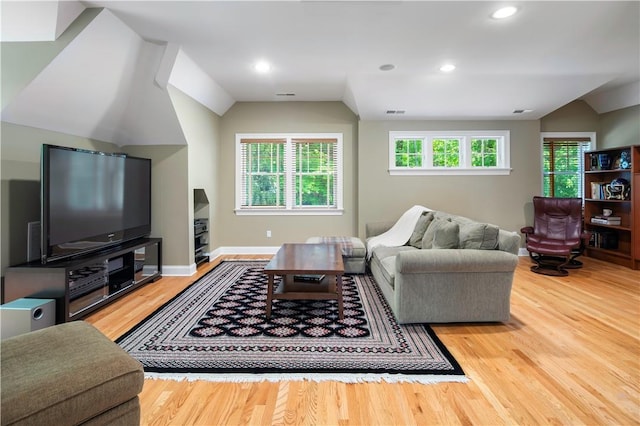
(84, 284)
(615, 238)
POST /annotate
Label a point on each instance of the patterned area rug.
(216, 329)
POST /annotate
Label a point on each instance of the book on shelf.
(603, 220)
(308, 278)
(597, 190)
(605, 240)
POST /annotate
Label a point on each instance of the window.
(289, 174)
(462, 152)
(563, 164)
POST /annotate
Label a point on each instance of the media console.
(84, 284)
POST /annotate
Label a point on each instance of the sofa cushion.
(427, 239)
(421, 226)
(446, 235)
(434, 227)
(382, 252)
(479, 236)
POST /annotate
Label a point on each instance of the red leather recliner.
(556, 238)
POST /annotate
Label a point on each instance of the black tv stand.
(84, 284)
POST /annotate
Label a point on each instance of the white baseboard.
(188, 270)
(243, 250)
(178, 270)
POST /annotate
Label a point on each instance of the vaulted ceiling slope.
(106, 83)
(109, 82)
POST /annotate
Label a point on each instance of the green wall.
(169, 202)
(384, 197)
(201, 129)
(620, 127)
(576, 116)
(283, 117)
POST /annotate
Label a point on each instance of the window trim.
(289, 209)
(504, 152)
(567, 136)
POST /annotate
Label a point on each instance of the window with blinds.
(282, 174)
(563, 166)
(263, 173)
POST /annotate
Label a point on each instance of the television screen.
(91, 200)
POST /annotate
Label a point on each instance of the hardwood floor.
(569, 355)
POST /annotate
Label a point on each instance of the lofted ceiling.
(545, 56)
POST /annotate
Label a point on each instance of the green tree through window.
(289, 172)
(409, 153)
(449, 152)
(562, 166)
(264, 174)
(446, 153)
(484, 152)
(314, 174)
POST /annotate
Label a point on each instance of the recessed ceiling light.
(447, 68)
(387, 67)
(262, 67)
(505, 12)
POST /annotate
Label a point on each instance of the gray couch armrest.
(454, 260)
(509, 241)
(376, 228)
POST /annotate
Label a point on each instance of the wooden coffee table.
(298, 260)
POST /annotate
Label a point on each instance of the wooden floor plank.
(570, 354)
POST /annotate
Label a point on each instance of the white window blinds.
(563, 166)
(300, 173)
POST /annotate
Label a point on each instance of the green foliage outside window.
(484, 153)
(314, 174)
(408, 153)
(265, 174)
(562, 169)
(446, 153)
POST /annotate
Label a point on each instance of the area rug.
(216, 329)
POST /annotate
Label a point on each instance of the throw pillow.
(479, 236)
(421, 226)
(446, 236)
(429, 234)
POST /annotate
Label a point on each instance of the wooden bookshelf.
(616, 243)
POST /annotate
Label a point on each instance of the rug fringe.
(343, 378)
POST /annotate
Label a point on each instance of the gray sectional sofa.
(453, 269)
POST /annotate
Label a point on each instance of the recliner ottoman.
(353, 252)
(68, 374)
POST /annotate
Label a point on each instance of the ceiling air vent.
(395, 112)
(285, 94)
(521, 111)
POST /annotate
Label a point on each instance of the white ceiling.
(547, 55)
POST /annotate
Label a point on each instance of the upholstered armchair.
(556, 237)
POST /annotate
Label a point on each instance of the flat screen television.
(91, 200)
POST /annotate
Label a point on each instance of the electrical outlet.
(268, 233)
